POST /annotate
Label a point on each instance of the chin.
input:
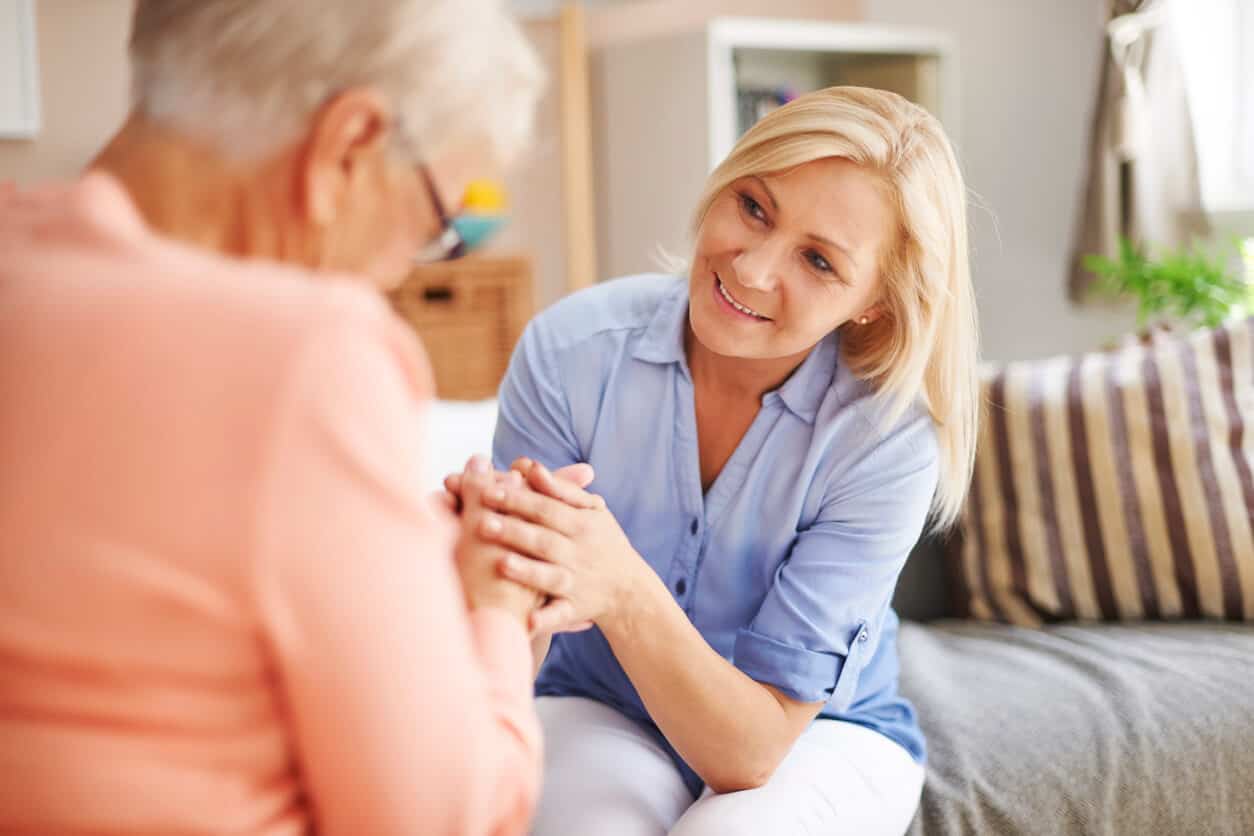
(719, 340)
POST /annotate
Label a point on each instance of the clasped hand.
(545, 533)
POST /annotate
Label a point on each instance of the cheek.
(720, 231)
(815, 311)
(388, 233)
(395, 215)
(404, 221)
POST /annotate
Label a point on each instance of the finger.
(528, 505)
(472, 550)
(542, 479)
(557, 616)
(580, 475)
(474, 483)
(551, 617)
(445, 499)
(543, 577)
(453, 484)
(526, 538)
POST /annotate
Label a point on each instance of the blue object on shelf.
(476, 228)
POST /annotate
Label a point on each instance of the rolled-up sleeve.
(535, 419)
(820, 622)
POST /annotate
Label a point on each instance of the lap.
(604, 774)
(840, 778)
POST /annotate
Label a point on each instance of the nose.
(759, 267)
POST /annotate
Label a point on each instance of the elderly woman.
(225, 604)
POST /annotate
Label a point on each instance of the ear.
(870, 315)
(347, 133)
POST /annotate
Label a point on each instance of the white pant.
(605, 776)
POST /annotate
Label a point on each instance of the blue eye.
(818, 262)
(754, 208)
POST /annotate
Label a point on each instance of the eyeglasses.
(449, 244)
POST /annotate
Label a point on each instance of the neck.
(736, 377)
(191, 193)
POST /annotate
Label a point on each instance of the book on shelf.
(752, 103)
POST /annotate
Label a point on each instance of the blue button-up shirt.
(787, 564)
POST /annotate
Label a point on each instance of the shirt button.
(695, 525)
(862, 636)
(681, 586)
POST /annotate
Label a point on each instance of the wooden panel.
(578, 209)
(469, 314)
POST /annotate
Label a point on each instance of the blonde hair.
(925, 346)
(246, 75)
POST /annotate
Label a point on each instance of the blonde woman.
(226, 602)
(770, 435)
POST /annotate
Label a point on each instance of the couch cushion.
(1106, 729)
(1116, 485)
(924, 591)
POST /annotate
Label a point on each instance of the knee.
(725, 815)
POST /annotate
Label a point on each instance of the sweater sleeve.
(408, 714)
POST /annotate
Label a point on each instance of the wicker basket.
(469, 314)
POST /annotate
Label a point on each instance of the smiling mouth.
(731, 300)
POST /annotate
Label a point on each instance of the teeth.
(723, 290)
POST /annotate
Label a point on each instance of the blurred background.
(1076, 121)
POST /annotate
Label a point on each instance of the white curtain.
(1143, 179)
(1217, 50)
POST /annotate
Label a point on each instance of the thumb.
(476, 478)
(581, 475)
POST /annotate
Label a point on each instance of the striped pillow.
(1116, 486)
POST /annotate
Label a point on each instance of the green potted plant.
(1187, 286)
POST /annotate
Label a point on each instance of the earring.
(864, 320)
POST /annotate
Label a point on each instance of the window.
(19, 82)
(1216, 40)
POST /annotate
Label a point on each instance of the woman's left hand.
(567, 545)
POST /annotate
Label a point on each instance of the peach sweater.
(226, 605)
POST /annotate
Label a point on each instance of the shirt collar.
(802, 393)
(663, 339)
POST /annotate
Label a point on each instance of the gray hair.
(246, 75)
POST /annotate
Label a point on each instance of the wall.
(1028, 72)
(619, 22)
(535, 184)
(83, 87)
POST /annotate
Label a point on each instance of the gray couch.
(1137, 729)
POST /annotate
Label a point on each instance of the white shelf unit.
(665, 111)
(19, 71)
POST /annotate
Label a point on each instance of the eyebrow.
(829, 242)
(770, 195)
